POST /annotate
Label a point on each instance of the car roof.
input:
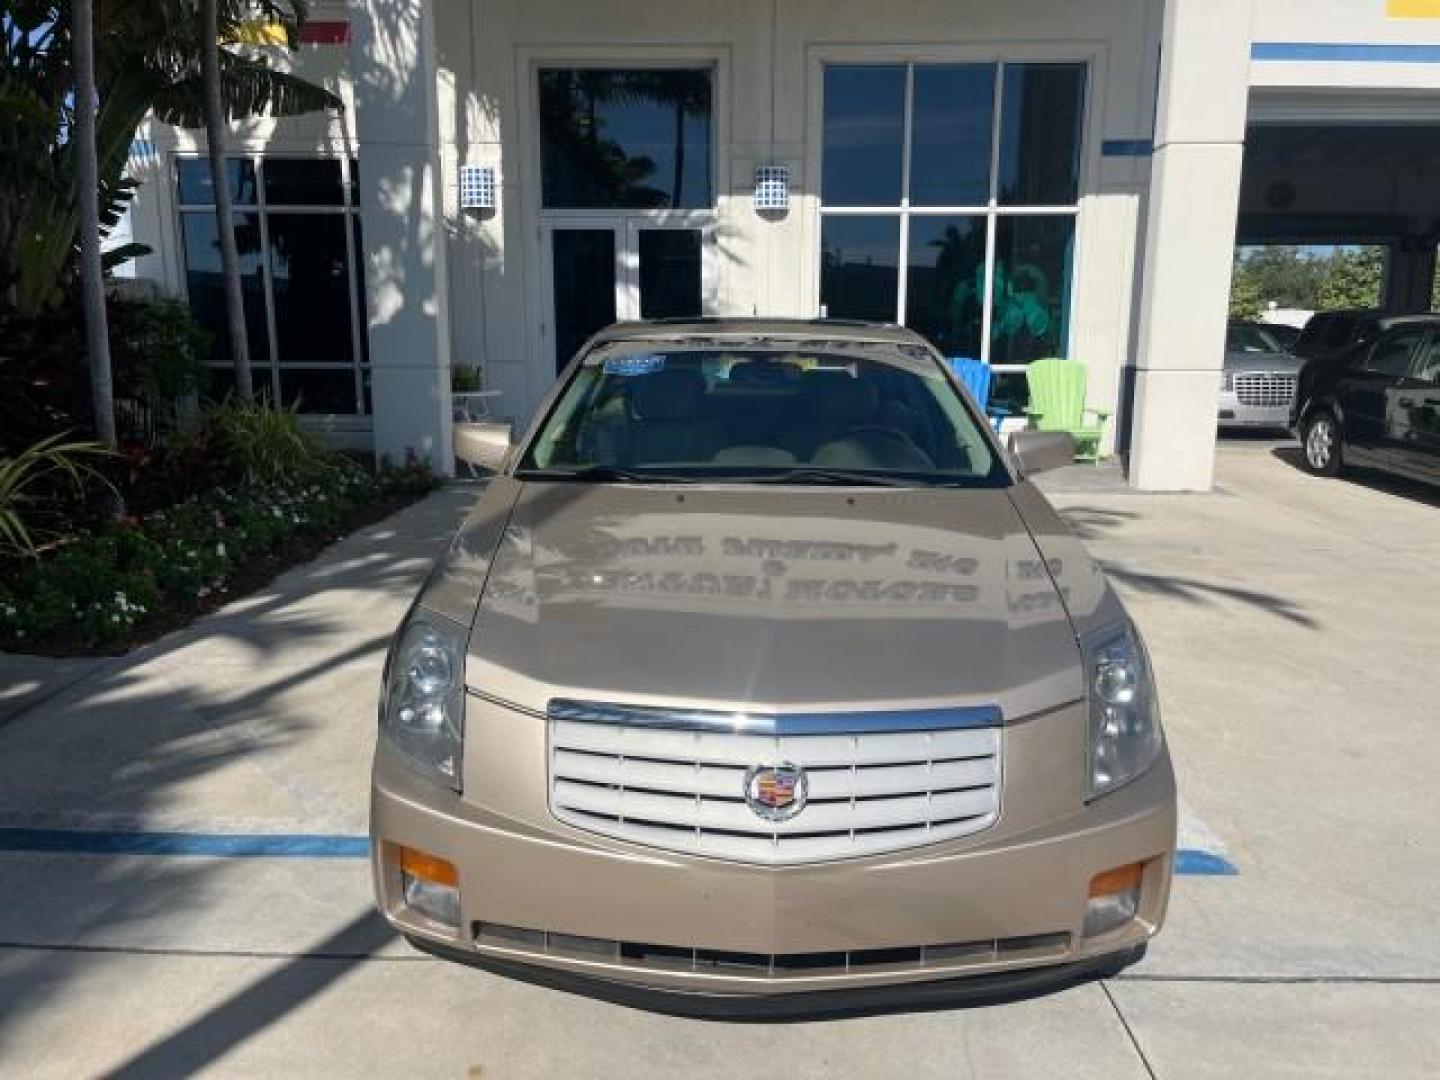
(1383, 317)
(797, 329)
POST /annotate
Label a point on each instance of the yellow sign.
(1413, 9)
(260, 32)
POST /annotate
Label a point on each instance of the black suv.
(1369, 393)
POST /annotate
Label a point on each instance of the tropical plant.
(168, 348)
(31, 478)
(464, 379)
(1355, 279)
(1246, 300)
(267, 444)
(147, 59)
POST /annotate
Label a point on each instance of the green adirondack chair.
(1057, 403)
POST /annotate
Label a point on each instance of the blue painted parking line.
(216, 845)
(319, 846)
(1195, 863)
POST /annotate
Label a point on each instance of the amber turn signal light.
(426, 867)
(1120, 879)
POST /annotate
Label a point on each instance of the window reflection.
(954, 115)
(205, 282)
(1040, 134)
(859, 264)
(625, 139)
(945, 283)
(197, 188)
(315, 278)
(311, 288)
(302, 182)
(1031, 298)
(863, 132)
(957, 158)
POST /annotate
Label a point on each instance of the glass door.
(585, 284)
(666, 270)
(604, 270)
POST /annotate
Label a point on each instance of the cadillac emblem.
(776, 792)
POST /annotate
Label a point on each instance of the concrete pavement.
(1293, 625)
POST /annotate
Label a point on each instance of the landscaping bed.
(130, 580)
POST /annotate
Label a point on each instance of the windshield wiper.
(602, 474)
(835, 477)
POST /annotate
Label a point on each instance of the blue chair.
(976, 376)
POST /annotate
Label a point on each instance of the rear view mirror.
(483, 444)
(1036, 451)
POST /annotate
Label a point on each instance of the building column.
(1189, 241)
(1411, 281)
(392, 65)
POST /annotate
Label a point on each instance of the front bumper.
(992, 989)
(545, 895)
(1232, 414)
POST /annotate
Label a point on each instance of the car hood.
(1239, 361)
(746, 598)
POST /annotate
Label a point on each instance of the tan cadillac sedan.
(761, 681)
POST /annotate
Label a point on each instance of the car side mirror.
(1036, 451)
(484, 444)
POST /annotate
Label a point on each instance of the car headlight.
(423, 713)
(1124, 726)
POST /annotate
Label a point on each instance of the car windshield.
(1250, 339)
(833, 414)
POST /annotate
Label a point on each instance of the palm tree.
(97, 332)
(224, 220)
(146, 61)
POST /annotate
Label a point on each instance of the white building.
(1015, 180)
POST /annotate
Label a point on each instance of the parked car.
(1257, 383)
(1331, 334)
(1376, 404)
(762, 679)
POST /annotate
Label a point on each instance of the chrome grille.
(1265, 389)
(684, 788)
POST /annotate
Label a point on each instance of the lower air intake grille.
(767, 965)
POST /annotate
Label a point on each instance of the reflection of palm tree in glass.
(959, 289)
(685, 93)
(1021, 302)
(571, 99)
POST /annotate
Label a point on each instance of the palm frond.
(249, 87)
(22, 474)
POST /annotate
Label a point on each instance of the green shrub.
(169, 346)
(102, 589)
(266, 444)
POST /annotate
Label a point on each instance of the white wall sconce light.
(772, 188)
(477, 187)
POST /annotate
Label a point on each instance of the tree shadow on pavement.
(1195, 591)
(257, 718)
(220, 1029)
(1092, 523)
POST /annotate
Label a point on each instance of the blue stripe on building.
(1127, 147)
(1322, 52)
